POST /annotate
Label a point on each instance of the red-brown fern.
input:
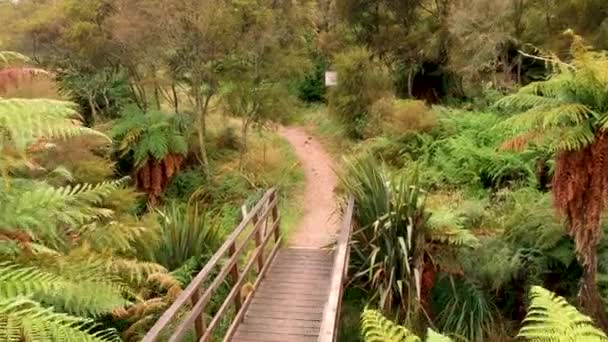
(580, 185)
(153, 176)
(519, 142)
(10, 77)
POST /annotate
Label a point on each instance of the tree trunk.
(94, 118)
(200, 112)
(156, 88)
(589, 296)
(157, 97)
(244, 128)
(580, 184)
(175, 99)
(410, 83)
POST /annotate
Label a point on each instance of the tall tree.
(202, 34)
(270, 52)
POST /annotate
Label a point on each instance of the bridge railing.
(188, 310)
(331, 312)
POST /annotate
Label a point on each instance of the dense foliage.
(549, 318)
(475, 149)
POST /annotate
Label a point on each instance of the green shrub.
(186, 230)
(467, 152)
(396, 236)
(395, 117)
(473, 213)
(409, 116)
(390, 211)
(463, 308)
(312, 87)
(361, 82)
(185, 183)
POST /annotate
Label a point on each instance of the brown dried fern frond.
(11, 77)
(521, 141)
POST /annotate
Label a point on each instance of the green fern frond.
(433, 336)
(570, 139)
(23, 319)
(39, 208)
(27, 120)
(152, 134)
(132, 270)
(83, 288)
(446, 228)
(551, 318)
(16, 280)
(86, 287)
(116, 235)
(526, 101)
(549, 88)
(376, 328)
(568, 108)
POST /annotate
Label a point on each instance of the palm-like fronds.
(377, 328)
(157, 144)
(23, 319)
(569, 107)
(149, 135)
(550, 318)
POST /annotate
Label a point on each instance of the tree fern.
(23, 319)
(551, 319)
(573, 98)
(572, 121)
(152, 134)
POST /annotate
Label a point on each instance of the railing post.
(234, 273)
(199, 323)
(258, 241)
(275, 216)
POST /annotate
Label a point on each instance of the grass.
(350, 323)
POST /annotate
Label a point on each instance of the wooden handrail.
(331, 312)
(194, 298)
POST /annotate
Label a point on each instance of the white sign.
(331, 78)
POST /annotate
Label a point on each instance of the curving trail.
(319, 224)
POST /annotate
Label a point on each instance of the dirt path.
(318, 226)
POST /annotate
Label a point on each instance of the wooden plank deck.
(288, 306)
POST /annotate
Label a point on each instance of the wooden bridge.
(276, 294)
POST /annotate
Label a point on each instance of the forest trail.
(319, 224)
